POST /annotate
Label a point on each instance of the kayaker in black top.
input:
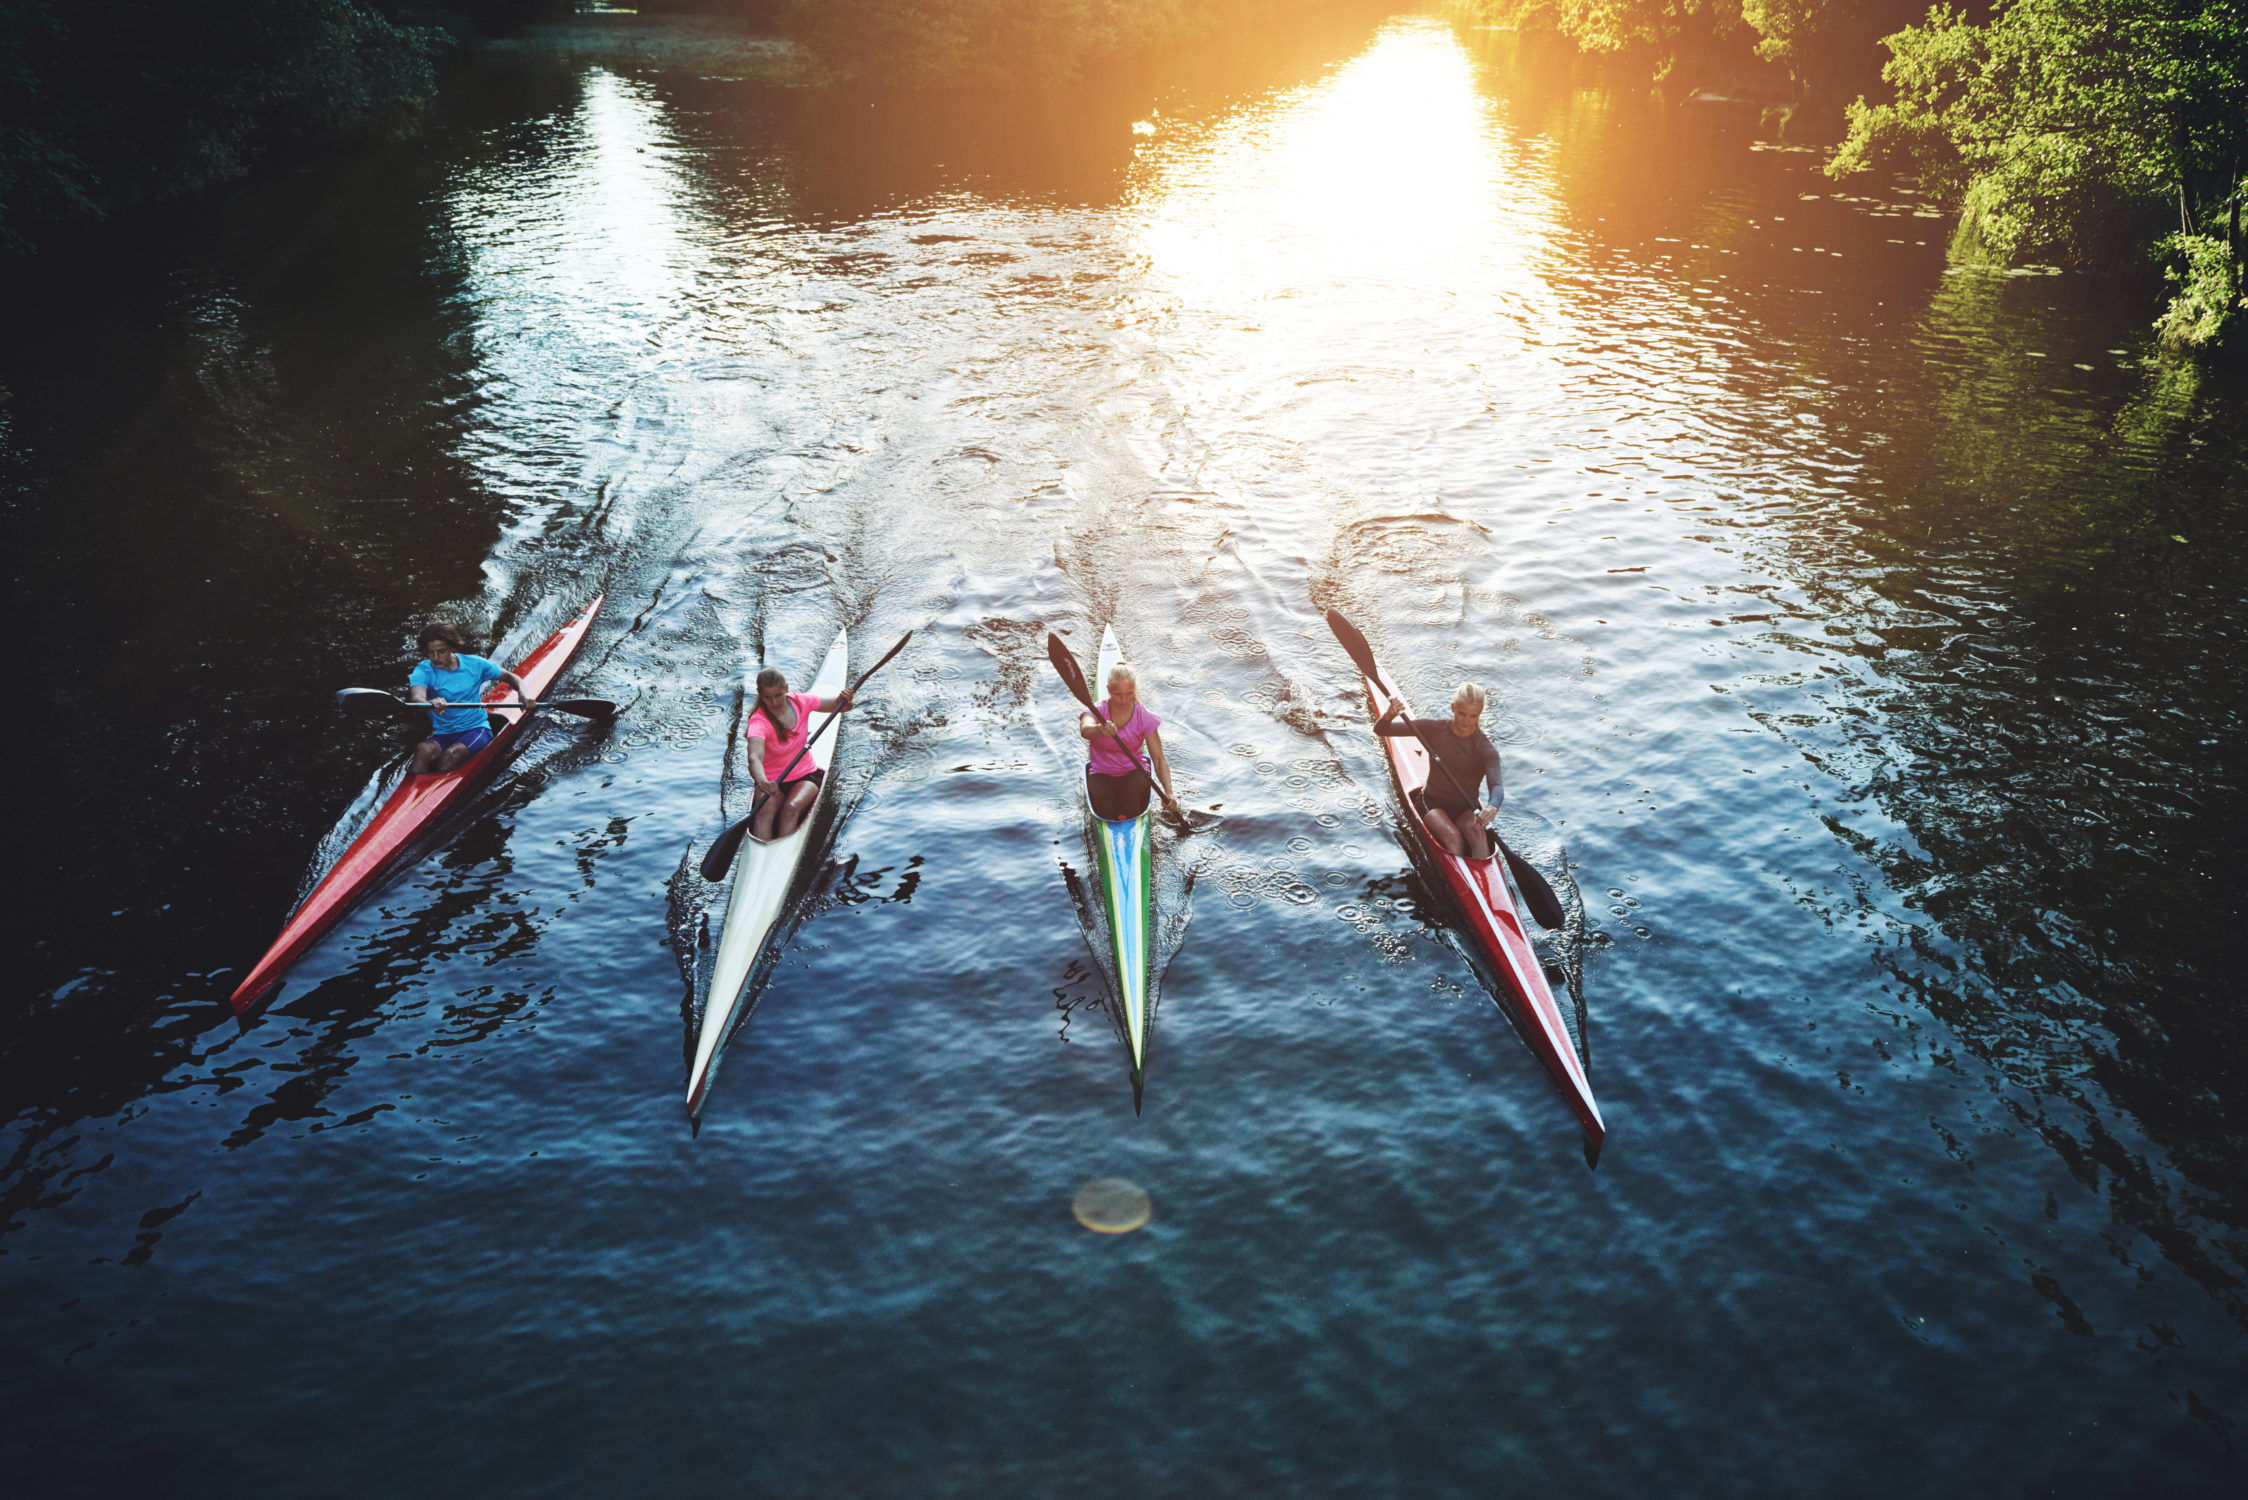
(1457, 744)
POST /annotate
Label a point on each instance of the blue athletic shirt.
(464, 684)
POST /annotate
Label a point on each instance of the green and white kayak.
(1126, 856)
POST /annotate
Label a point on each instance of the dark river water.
(1864, 636)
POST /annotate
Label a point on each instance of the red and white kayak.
(418, 803)
(1479, 888)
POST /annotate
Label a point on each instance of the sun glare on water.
(1385, 177)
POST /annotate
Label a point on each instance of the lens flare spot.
(1111, 1205)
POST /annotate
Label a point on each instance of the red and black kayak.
(1493, 922)
(417, 804)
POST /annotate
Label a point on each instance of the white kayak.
(1126, 856)
(763, 874)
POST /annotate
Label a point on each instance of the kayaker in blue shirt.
(451, 682)
(1459, 745)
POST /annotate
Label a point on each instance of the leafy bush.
(1659, 31)
(2208, 301)
(2076, 130)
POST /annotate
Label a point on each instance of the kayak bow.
(762, 875)
(1126, 858)
(1480, 891)
(418, 803)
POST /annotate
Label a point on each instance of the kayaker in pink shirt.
(778, 728)
(1119, 750)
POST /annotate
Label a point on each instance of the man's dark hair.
(438, 630)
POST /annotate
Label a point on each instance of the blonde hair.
(1468, 695)
(1123, 670)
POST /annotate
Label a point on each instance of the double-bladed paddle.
(1073, 678)
(1544, 905)
(720, 859)
(369, 703)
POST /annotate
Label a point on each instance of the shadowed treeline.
(108, 105)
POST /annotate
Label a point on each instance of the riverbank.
(711, 46)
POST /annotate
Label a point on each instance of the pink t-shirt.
(778, 751)
(1121, 755)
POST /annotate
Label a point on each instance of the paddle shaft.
(720, 859)
(853, 691)
(588, 708)
(1438, 761)
(1544, 905)
(1073, 677)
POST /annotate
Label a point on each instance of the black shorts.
(1439, 795)
(816, 776)
(1118, 799)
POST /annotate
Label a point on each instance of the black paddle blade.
(584, 708)
(720, 859)
(878, 666)
(372, 703)
(1361, 654)
(1544, 904)
(1193, 820)
(1066, 668)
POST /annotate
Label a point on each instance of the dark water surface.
(1865, 634)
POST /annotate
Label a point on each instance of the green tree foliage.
(107, 104)
(1661, 32)
(1830, 47)
(2081, 131)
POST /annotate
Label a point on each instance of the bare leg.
(1444, 830)
(761, 822)
(425, 757)
(1478, 838)
(798, 801)
(455, 757)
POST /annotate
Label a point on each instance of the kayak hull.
(1494, 924)
(763, 874)
(418, 803)
(1124, 854)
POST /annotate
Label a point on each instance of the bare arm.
(1092, 728)
(835, 705)
(754, 744)
(1162, 768)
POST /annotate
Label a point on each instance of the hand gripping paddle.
(1544, 905)
(1073, 678)
(720, 859)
